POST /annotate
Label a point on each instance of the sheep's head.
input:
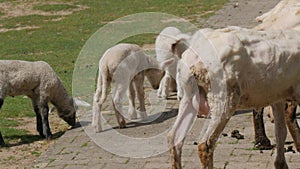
(154, 76)
(68, 114)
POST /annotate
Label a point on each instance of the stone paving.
(75, 149)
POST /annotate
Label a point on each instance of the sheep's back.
(23, 77)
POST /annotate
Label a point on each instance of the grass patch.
(54, 7)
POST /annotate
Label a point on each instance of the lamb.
(170, 43)
(237, 80)
(125, 65)
(38, 81)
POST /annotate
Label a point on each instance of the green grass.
(59, 42)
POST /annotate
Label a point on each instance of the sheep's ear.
(81, 103)
(166, 63)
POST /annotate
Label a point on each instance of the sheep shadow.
(28, 138)
(166, 115)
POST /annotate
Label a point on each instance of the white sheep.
(125, 65)
(285, 15)
(170, 43)
(256, 69)
(38, 81)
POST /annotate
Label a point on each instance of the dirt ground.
(20, 155)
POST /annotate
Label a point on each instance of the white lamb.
(256, 69)
(38, 81)
(125, 65)
(170, 43)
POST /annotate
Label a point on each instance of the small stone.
(236, 5)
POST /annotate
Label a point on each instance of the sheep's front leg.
(39, 123)
(291, 122)
(261, 139)
(2, 143)
(117, 104)
(280, 133)
(139, 86)
(206, 146)
(183, 123)
(163, 90)
(131, 100)
(44, 112)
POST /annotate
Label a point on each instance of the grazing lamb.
(125, 65)
(38, 81)
(254, 69)
(170, 43)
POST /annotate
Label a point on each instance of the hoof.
(122, 125)
(97, 129)
(203, 154)
(143, 115)
(132, 114)
(263, 143)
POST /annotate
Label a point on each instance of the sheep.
(285, 15)
(38, 81)
(125, 65)
(170, 43)
(253, 69)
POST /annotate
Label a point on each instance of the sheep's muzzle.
(70, 119)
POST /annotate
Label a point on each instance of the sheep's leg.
(117, 104)
(101, 91)
(44, 113)
(39, 123)
(139, 86)
(131, 98)
(2, 143)
(179, 130)
(261, 139)
(281, 133)
(163, 90)
(291, 122)
(206, 147)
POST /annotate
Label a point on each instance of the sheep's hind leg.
(261, 139)
(291, 122)
(2, 143)
(281, 133)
